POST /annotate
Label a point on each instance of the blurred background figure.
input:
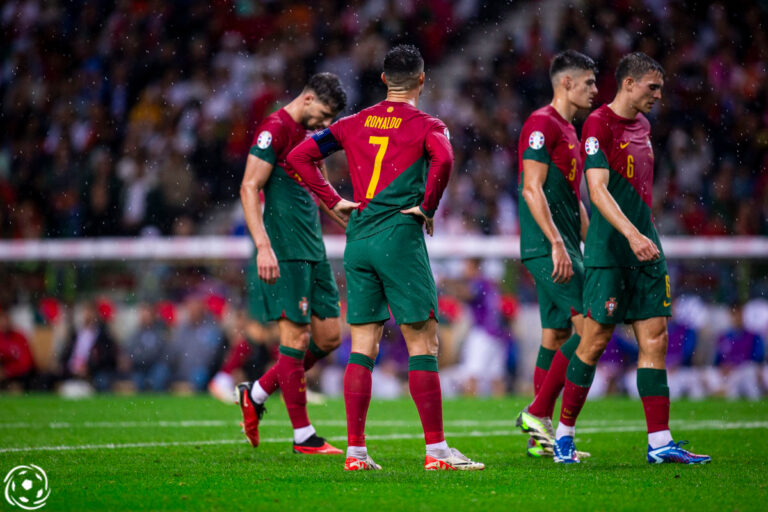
(250, 352)
(17, 366)
(738, 362)
(91, 352)
(145, 348)
(485, 349)
(615, 373)
(197, 347)
(684, 378)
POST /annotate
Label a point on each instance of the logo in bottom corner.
(610, 305)
(304, 306)
(26, 487)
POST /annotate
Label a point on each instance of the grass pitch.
(172, 453)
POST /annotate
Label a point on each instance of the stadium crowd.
(135, 118)
(131, 118)
(204, 343)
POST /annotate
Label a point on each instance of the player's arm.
(336, 218)
(584, 221)
(257, 172)
(534, 176)
(642, 246)
(304, 158)
(440, 153)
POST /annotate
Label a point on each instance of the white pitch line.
(63, 425)
(693, 425)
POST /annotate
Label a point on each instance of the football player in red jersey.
(399, 160)
(626, 273)
(291, 281)
(553, 222)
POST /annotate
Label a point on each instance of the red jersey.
(548, 138)
(398, 157)
(623, 146)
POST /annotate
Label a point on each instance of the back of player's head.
(571, 60)
(328, 90)
(636, 65)
(402, 67)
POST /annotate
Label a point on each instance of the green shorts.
(625, 294)
(304, 289)
(558, 302)
(390, 268)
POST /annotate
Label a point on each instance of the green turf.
(234, 476)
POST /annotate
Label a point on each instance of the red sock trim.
(357, 398)
(294, 386)
(269, 382)
(425, 390)
(573, 400)
(544, 403)
(656, 413)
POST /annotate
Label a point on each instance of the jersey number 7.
(382, 142)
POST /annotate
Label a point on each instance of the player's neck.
(410, 97)
(622, 107)
(294, 109)
(565, 108)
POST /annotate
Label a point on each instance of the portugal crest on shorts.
(610, 306)
(304, 306)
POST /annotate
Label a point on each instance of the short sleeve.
(597, 138)
(540, 136)
(338, 129)
(268, 141)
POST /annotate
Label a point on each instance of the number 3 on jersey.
(382, 142)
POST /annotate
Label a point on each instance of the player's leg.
(357, 392)
(424, 385)
(649, 309)
(410, 289)
(560, 307)
(324, 305)
(366, 313)
(651, 336)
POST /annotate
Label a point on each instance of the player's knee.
(656, 345)
(298, 340)
(329, 340)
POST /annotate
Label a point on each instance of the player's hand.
(344, 209)
(266, 263)
(643, 247)
(429, 222)
(561, 262)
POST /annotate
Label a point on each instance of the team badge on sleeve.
(536, 140)
(591, 146)
(264, 140)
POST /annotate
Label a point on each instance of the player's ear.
(384, 78)
(422, 77)
(628, 83)
(567, 82)
(309, 97)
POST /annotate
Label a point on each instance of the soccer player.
(626, 274)
(553, 221)
(399, 160)
(295, 283)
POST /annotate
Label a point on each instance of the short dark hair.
(402, 66)
(571, 59)
(328, 90)
(636, 65)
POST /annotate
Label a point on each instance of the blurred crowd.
(135, 117)
(488, 344)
